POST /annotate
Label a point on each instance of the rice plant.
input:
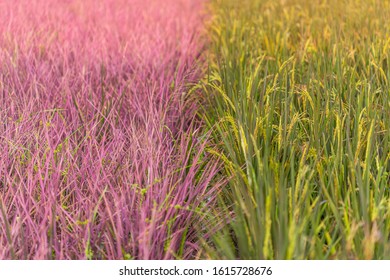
(136, 129)
(101, 150)
(299, 108)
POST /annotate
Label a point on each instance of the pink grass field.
(101, 153)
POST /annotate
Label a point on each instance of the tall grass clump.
(300, 115)
(102, 155)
